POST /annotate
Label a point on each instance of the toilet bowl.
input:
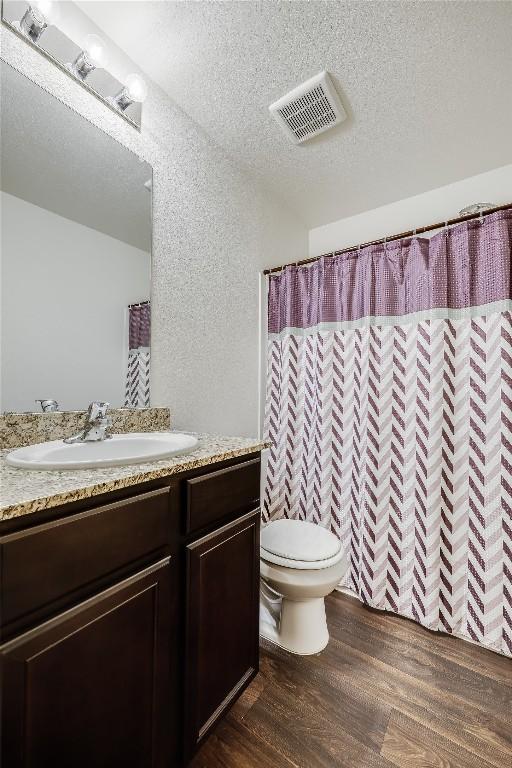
(300, 563)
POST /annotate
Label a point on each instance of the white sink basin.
(132, 448)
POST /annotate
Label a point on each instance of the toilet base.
(301, 627)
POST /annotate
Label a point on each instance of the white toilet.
(300, 564)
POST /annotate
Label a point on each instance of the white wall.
(65, 289)
(214, 229)
(437, 205)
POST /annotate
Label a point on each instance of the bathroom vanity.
(128, 594)
(129, 621)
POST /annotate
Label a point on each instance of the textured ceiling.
(426, 86)
(54, 158)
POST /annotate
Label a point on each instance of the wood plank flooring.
(385, 693)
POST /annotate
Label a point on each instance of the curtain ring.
(481, 217)
(446, 228)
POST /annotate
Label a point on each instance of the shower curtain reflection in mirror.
(139, 342)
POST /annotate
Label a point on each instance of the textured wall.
(214, 229)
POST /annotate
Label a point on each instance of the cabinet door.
(222, 635)
(91, 687)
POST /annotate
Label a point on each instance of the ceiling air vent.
(309, 109)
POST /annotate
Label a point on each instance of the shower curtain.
(137, 375)
(389, 413)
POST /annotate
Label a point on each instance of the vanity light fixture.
(36, 18)
(94, 54)
(134, 90)
(38, 23)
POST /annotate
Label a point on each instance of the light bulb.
(93, 54)
(96, 50)
(136, 88)
(36, 18)
(49, 9)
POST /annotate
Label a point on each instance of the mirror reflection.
(75, 258)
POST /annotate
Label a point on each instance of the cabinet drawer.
(47, 567)
(222, 495)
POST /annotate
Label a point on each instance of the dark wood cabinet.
(91, 687)
(129, 622)
(222, 638)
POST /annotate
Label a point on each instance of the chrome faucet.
(48, 406)
(97, 425)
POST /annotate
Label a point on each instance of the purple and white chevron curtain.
(389, 413)
(139, 355)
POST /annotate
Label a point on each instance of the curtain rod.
(410, 233)
(139, 304)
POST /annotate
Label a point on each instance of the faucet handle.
(97, 410)
(48, 406)
(97, 424)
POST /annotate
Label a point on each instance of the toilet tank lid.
(298, 540)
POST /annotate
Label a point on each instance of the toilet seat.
(300, 564)
(300, 545)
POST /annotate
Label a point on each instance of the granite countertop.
(23, 492)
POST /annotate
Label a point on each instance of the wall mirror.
(75, 257)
